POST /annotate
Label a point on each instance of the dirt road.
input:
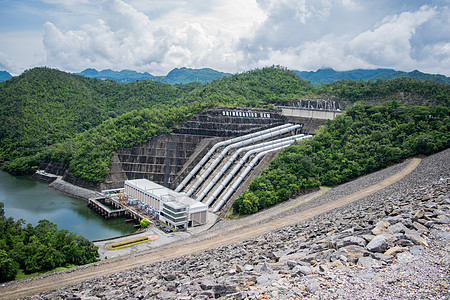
(210, 240)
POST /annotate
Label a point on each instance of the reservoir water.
(32, 200)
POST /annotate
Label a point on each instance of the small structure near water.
(173, 209)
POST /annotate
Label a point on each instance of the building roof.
(167, 194)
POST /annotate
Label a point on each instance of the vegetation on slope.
(48, 114)
(364, 140)
(328, 75)
(352, 90)
(39, 248)
(51, 115)
(44, 106)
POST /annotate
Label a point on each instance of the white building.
(174, 209)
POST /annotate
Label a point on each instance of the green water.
(33, 200)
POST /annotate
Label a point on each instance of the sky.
(232, 36)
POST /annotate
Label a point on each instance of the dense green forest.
(47, 114)
(358, 90)
(327, 75)
(365, 139)
(39, 248)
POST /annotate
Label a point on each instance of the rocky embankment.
(393, 244)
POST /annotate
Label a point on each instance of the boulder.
(378, 244)
(394, 250)
(381, 228)
(368, 262)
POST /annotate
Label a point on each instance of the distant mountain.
(324, 76)
(4, 76)
(186, 75)
(176, 76)
(122, 76)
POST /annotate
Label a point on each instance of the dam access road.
(228, 232)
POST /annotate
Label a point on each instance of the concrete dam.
(170, 159)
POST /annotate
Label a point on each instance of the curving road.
(210, 240)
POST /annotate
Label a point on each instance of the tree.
(8, 267)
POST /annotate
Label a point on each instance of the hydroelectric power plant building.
(174, 209)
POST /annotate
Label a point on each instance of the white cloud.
(387, 44)
(127, 38)
(26, 45)
(230, 35)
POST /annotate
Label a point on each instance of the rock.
(302, 270)
(170, 277)
(417, 250)
(394, 250)
(349, 253)
(378, 244)
(419, 214)
(239, 268)
(166, 295)
(384, 258)
(404, 257)
(398, 228)
(429, 224)
(351, 240)
(368, 262)
(417, 239)
(419, 227)
(441, 219)
(265, 268)
(291, 263)
(381, 228)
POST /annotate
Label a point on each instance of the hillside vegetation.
(40, 248)
(47, 114)
(327, 75)
(367, 138)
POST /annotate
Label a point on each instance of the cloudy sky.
(228, 35)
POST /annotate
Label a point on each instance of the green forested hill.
(437, 93)
(364, 140)
(45, 106)
(86, 119)
(176, 76)
(327, 75)
(49, 114)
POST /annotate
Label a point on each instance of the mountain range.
(176, 76)
(4, 76)
(205, 75)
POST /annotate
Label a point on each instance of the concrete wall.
(309, 113)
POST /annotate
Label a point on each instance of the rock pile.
(394, 245)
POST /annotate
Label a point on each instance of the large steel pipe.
(242, 176)
(221, 144)
(236, 154)
(242, 161)
(239, 144)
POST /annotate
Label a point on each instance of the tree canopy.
(39, 248)
(365, 139)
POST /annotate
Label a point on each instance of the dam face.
(169, 159)
(165, 159)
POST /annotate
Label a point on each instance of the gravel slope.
(235, 270)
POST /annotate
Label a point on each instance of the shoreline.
(72, 190)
